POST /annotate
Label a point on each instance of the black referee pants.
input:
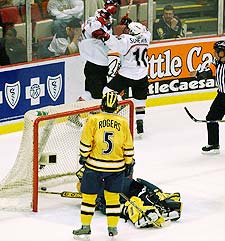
(216, 112)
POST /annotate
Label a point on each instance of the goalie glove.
(100, 34)
(125, 21)
(129, 168)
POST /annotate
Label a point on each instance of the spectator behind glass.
(67, 41)
(168, 25)
(93, 6)
(9, 3)
(62, 11)
(12, 48)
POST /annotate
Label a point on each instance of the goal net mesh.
(50, 134)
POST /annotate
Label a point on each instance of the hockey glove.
(82, 160)
(125, 21)
(100, 34)
(129, 169)
(80, 173)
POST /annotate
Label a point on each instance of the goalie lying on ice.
(152, 203)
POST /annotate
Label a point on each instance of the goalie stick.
(68, 194)
(64, 194)
(143, 213)
(201, 121)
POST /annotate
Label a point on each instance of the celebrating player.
(134, 66)
(93, 50)
(106, 149)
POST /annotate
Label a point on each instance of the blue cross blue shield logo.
(12, 94)
(54, 86)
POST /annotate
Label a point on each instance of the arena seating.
(43, 29)
(10, 15)
(1, 32)
(21, 30)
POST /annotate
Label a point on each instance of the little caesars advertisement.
(171, 62)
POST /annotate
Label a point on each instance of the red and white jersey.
(133, 54)
(91, 49)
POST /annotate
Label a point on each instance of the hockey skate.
(83, 233)
(211, 149)
(173, 215)
(75, 121)
(139, 127)
(112, 231)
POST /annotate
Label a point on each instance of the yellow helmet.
(109, 102)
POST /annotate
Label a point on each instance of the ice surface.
(169, 156)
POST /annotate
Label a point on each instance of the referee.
(217, 109)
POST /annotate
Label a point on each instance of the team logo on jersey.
(54, 86)
(12, 94)
(114, 65)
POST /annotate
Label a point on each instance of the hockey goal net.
(49, 151)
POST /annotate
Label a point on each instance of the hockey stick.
(129, 8)
(127, 14)
(201, 121)
(64, 194)
(142, 212)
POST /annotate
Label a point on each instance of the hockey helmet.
(115, 2)
(136, 29)
(104, 14)
(111, 6)
(219, 45)
(112, 9)
(109, 102)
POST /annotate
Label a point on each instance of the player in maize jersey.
(133, 72)
(106, 149)
(94, 51)
(217, 109)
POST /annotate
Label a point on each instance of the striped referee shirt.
(220, 76)
(217, 69)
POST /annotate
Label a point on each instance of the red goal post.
(45, 142)
(126, 109)
(49, 152)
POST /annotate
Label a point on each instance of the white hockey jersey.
(133, 50)
(91, 49)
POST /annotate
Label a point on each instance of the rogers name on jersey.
(179, 85)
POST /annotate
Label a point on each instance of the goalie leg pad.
(138, 219)
(144, 222)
